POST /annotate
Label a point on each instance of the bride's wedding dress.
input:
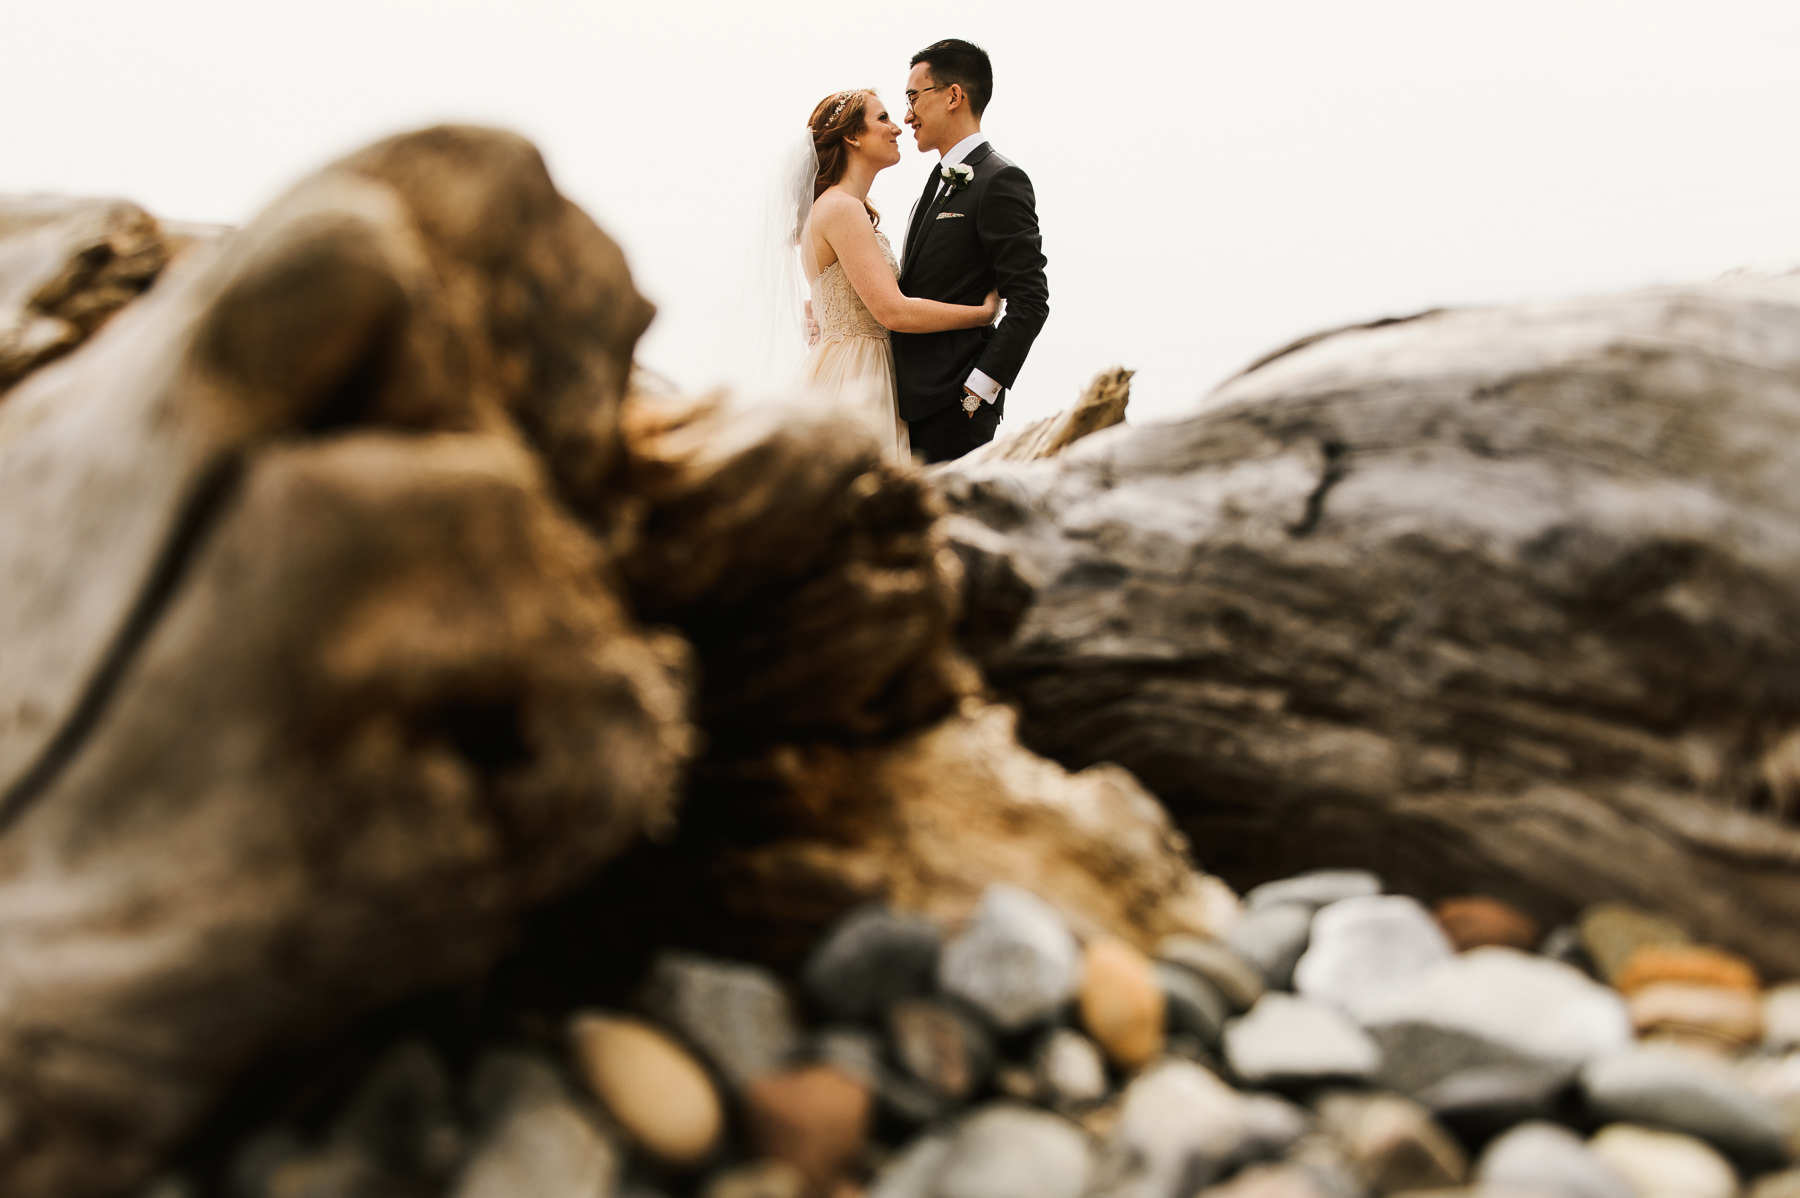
(853, 359)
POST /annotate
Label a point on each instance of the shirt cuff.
(983, 386)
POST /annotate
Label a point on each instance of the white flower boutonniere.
(958, 176)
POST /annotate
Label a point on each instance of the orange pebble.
(1693, 963)
(1478, 921)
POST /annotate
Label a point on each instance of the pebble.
(1316, 889)
(1695, 964)
(1785, 1184)
(1361, 947)
(737, 1015)
(1547, 1159)
(1477, 921)
(1687, 1093)
(1270, 1126)
(869, 959)
(1218, 965)
(1563, 943)
(1781, 1016)
(1121, 1004)
(856, 1050)
(1664, 1164)
(1068, 1070)
(1612, 932)
(1009, 1151)
(1392, 1143)
(757, 1179)
(941, 1044)
(543, 1146)
(1272, 939)
(910, 1172)
(1194, 1007)
(1479, 1104)
(401, 1116)
(1014, 961)
(1286, 1039)
(816, 1118)
(1731, 1017)
(1492, 1007)
(660, 1096)
(1271, 1181)
(1178, 1128)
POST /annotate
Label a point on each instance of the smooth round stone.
(737, 1015)
(1286, 1039)
(1548, 1159)
(1272, 939)
(1068, 1069)
(1785, 1184)
(1316, 889)
(1194, 1007)
(1781, 1017)
(1686, 1093)
(1006, 1151)
(540, 1147)
(1478, 1104)
(1361, 947)
(1014, 961)
(910, 1171)
(1612, 932)
(757, 1179)
(1693, 964)
(1492, 1007)
(869, 959)
(1272, 1181)
(816, 1118)
(1121, 1005)
(1732, 1017)
(1664, 1164)
(940, 1044)
(1477, 921)
(1218, 965)
(1393, 1143)
(1178, 1128)
(659, 1095)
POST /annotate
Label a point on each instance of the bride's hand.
(990, 307)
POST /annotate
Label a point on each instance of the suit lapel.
(916, 237)
(916, 222)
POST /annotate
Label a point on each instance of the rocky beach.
(439, 759)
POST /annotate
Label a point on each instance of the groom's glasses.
(912, 97)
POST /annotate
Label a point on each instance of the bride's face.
(880, 139)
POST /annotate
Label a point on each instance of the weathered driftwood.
(1102, 405)
(66, 265)
(1502, 600)
(330, 572)
(310, 691)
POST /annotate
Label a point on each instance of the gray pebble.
(1008, 1151)
(737, 1016)
(1362, 946)
(1218, 965)
(1068, 1069)
(1316, 889)
(869, 959)
(940, 1044)
(1272, 939)
(1015, 960)
(1192, 1006)
(1179, 1129)
(1286, 1039)
(1674, 1090)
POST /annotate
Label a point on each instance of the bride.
(850, 267)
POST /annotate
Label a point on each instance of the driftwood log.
(352, 616)
(1500, 601)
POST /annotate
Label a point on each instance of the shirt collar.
(963, 148)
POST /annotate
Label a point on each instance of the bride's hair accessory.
(958, 176)
(837, 109)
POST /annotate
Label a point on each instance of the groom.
(975, 229)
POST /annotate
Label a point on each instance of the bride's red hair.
(837, 116)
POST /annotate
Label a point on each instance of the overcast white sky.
(1214, 178)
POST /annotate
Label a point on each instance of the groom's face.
(925, 113)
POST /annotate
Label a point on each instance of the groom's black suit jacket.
(969, 242)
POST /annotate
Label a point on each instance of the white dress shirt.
(978, 382)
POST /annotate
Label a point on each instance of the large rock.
(1499, 600)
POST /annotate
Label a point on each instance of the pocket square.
(951, 215)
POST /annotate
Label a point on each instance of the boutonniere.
(958, 176)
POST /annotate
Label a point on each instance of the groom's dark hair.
(962, 63)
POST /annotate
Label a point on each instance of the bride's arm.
(845, 227)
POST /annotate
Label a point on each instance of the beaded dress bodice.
(838, 310)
